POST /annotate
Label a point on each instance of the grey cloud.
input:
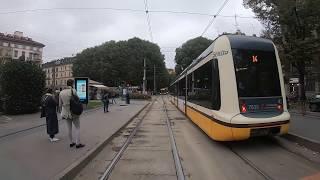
(67, 32)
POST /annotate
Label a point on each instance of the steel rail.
(117, 157)
(179, 169)
(252, 165)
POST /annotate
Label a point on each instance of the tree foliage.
(22, 85)
(189, 51)
(115, 62)
(294, 27)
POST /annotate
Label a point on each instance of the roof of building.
(18, 39)
(58, 62)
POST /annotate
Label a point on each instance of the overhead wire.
(214, 17)
(72, 8)
(121, 9)
(148, 19)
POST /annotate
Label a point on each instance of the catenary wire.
(214, 17)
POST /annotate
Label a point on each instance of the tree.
(294, 27)
(189, 51)
(22, 86)
(115, 62)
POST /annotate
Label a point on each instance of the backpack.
(43, 104)
(75, 104)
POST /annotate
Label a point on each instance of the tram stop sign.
(82, 88)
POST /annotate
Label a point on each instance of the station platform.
(26, 152)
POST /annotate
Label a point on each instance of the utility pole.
(144, 77)
(154, 79)
(236, 24)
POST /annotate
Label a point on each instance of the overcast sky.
(66, 32)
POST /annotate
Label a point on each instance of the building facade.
(58, 72)
(18, 47)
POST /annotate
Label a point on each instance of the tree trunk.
(302, 87)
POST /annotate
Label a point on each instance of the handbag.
(75, 104)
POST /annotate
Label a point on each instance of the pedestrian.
(64, 104)
(113, 96)
(49, 105)
(128, 98)
(56, 96)
(105, 101)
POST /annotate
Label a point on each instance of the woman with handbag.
(49, 105)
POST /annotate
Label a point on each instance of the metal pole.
(154, 79)
(144, 76)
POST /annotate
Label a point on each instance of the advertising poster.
(82, 89)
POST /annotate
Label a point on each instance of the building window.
(30, 55)
(57, 75)
(23, 53)
(15, 53)
(65, 67)
(56, 69)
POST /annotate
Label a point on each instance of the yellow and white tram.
(234, 90)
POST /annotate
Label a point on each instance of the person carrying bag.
(71, 109)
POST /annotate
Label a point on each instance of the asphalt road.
(305, 126)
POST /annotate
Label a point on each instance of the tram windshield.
(256, 73)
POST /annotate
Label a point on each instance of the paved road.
(305, 126)
(30, 155)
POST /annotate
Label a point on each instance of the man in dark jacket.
(105, 101)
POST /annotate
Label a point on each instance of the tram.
(234, 90)
(163, 91)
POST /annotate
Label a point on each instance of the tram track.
(117, 157)
(179, 169)
(273, 154)
(135, 132)
(251, 164)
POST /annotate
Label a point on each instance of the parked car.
(314, 103)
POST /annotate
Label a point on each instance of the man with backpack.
(71, 110)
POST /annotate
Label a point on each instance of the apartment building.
(18, 47)
(58, 72)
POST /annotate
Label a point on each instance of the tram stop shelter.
(96, 89)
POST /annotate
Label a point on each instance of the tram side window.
(182, 88)
(173, 90)
(205, 86)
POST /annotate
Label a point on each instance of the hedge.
(22, 85)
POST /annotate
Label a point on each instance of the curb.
(308, 143)
(72, 170)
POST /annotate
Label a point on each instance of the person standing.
(64, 104)
(49, 105)
(105, 101)
(113, 96)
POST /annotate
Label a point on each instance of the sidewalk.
(14, 123)
(30, 155)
